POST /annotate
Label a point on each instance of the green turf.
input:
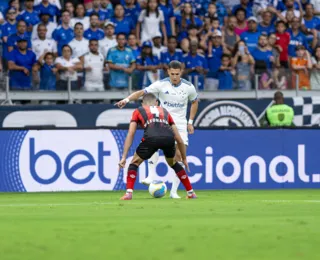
(219, 225)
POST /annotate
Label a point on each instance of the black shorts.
(149, 146)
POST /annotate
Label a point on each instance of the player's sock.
(182, 175)
(131, 177)
(152, 165)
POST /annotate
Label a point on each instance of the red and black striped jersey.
(155, 120)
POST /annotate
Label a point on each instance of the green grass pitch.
(281, 224)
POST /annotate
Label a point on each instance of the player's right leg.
(152, 165)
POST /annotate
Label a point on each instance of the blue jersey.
(314, 23)
(267, 30)
(299, 39)
(62, 37)
(123, 58)
(183, 32)
(225, 80)
(168, 14)
(30, 18)
(249, 11)
(18, 79)
(166, 57)
(251, 39)
(221, 10)
(282, 7)
(50, 9)
(6, 30)
(104, 14)
(126, 25)
(136, 52)
(259, 55)
(13, 39)
(132, 13)
(89, 34)
(214, 62)
(47, 78)
(147, 61)
(193, 62)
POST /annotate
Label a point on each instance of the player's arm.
(128, 143)
(193, 97)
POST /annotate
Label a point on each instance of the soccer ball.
(157, 189)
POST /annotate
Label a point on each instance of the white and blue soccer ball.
(157, 189)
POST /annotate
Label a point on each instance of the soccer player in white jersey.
(174, 94)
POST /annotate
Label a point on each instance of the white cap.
(252, 18)
(158, 34)
(217, 33)
(109, 23)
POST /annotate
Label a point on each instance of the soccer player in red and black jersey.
(160, 132)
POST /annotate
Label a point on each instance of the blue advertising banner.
(225, 113)
(78, 160)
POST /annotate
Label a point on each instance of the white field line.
(137, 202)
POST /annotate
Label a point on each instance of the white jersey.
(39, 47)
(106, 44)
(94, 78)
(79, 48)
(51, 26)
(174, 99)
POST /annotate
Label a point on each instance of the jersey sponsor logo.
(172, 104)
(227, 113)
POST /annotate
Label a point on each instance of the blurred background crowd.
(96, 45)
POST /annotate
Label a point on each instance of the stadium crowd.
(97, 44)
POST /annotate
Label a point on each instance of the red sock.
(183, 177)
(131, 176)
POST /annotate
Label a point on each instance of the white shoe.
(147, 181)
(174, 196)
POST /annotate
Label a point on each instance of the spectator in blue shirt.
(48, 72)
(21, 62)
(11, 4)
(46, 7)
(94, 32)
(172, 53)
(29, 15)
(103, 14)
(8, 28)
(20, 34)
(108, 6)
(246, 5)
(261, 54)
(63, 34)
(226, 73)
(215, 52)
(133, 45)
(251, 37)
(132, 9)
(266, 26)
(195, 65)
(121, 63)
(310, 22)
(219, 9)
(168, 16)
(148, 64)
(184, 20)
(123, 24)
(298, 38)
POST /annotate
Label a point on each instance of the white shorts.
(183, 133)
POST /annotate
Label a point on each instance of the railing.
(7, 96)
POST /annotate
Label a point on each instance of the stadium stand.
(230, 49)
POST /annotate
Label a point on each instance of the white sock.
(129, 190)
(176, 182)
(152, 165)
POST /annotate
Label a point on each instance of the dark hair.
(93, 40)
(236, 48)
(215, 19)
(281, 22)
(48, 54)
(175, 65)
(94, 14)
(263, 35)
(42, 25)
(314, 53)
(64, 11)
(184, 20)
(78, 23)
(225, 56)
(66, 45)
(278, 95)
(148, 97)
(21, 21)
(172, 38)
(240, 10)
(121, 33)
(148, 9)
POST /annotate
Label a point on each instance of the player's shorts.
(184, 134)
(149, 146)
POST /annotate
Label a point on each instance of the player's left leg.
(132, 176)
